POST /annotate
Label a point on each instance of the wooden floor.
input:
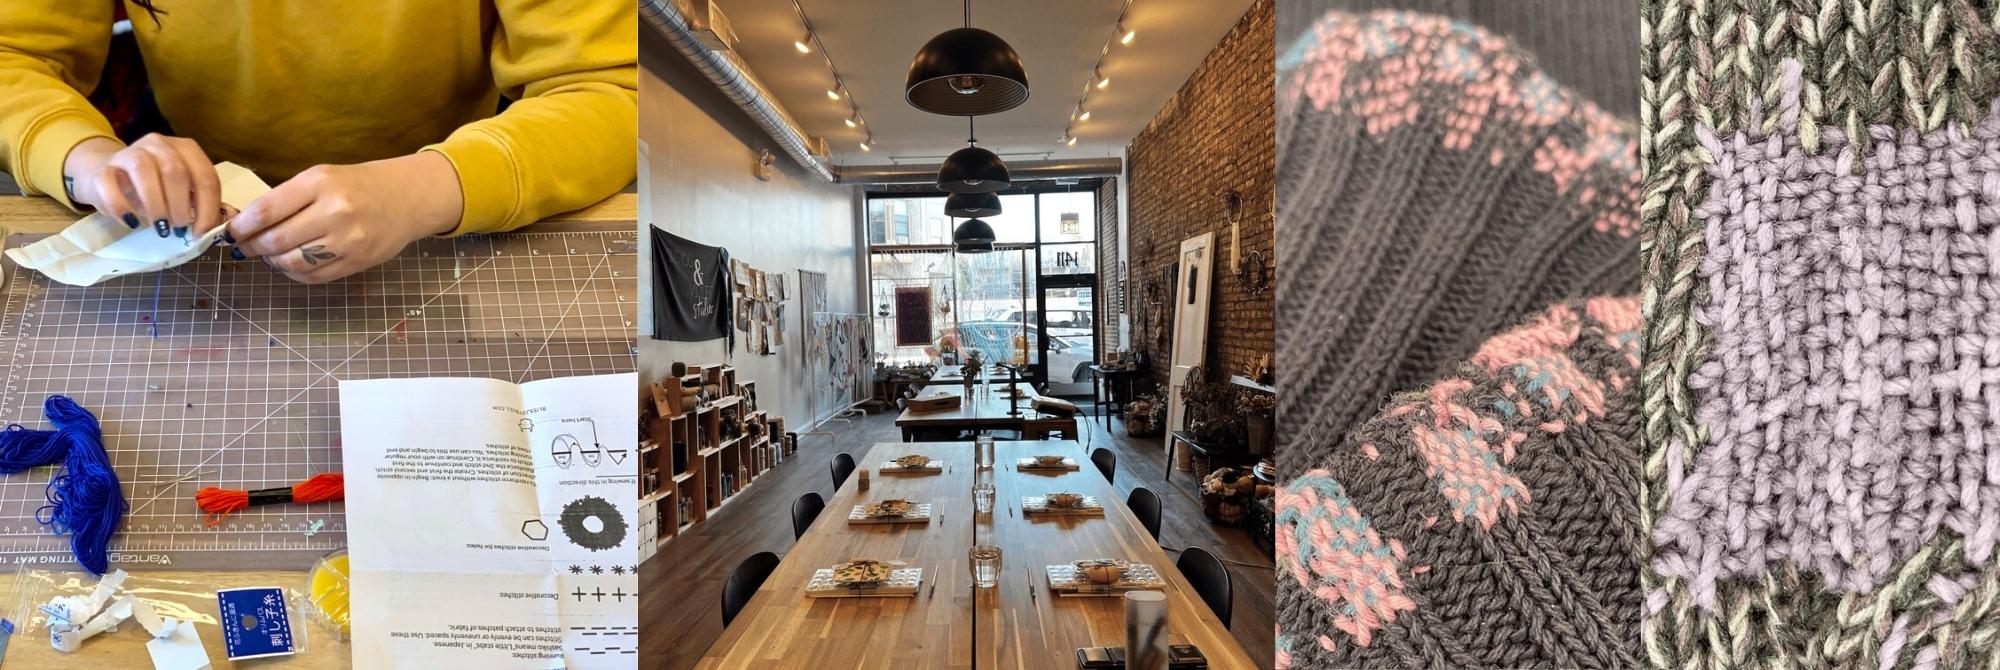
(680, 612)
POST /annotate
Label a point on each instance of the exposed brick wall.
(1217, 134)
(1110, 302)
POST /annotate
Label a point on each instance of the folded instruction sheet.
(490, 524)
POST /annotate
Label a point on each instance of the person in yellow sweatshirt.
(375, 118)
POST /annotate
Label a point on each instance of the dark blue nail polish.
(228, 238)
(131, 221)
(181, 232)
(161, 227)
(236, 254)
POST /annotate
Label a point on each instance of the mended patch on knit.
(1360, 536)
(1390, 70)
(1851, 388)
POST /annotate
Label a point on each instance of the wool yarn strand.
(84, 499)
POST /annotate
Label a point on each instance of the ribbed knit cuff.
(488, 180)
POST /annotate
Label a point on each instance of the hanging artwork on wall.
(692, 300)
(913, 316)
(812, 300)
(759, 307)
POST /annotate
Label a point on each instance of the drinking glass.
(982, 498)
(985, 561)
(982, 451)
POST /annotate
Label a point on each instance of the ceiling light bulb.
(967, 84)
(1106, 81)
(1072, 140)
(865, 147)
(1083, 117)
(801, 46)
(832, 94)
(1127, 39)
(851, 123)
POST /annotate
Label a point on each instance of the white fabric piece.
(98, 247)
(180, 649)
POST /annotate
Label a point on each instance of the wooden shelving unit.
(705, 441)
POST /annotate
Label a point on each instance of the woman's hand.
(332, 221)
(163, 182)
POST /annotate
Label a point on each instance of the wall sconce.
(1253, 272)
(764, 161)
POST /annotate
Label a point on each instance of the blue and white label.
(255, 623)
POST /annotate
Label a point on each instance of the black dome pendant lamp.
(972, 205)
(966, 72)
(972, 169)
(972, 236)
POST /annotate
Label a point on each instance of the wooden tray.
(903, 583)
(1031, 465)
(919, 513)
(1065, 580)
(935, 403)
(891, 468)
(1036, 506)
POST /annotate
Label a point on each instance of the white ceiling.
(872, 41)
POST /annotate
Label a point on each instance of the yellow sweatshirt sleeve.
(570, 138)
(51, 55)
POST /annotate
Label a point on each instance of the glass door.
(1068, 320)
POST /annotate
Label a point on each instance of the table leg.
(1171, 440)
(1096, 399)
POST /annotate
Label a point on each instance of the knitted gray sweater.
(1435, 190)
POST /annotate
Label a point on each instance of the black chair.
(1107, 463)
(843, 465)
(1210, 579)
(1145, 505)
(743, 583)
(807, 508)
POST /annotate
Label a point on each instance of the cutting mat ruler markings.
(230, 372)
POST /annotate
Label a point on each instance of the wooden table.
(1023, 625)
(950, 626)
(1106, 384)
(781, 628)
(985, 413)
(21, 214)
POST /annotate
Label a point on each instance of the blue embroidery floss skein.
(85, 500)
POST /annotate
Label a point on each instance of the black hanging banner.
(691, 292)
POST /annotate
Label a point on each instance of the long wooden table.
(984, 411)
(1018, 624)
(20, 214)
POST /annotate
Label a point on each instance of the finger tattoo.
(314, 254)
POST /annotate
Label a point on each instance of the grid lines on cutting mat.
(225, 373)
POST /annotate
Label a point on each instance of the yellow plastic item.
(326, 589)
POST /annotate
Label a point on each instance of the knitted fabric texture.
(1821, 257)
(1486, 521)
(1433, 189)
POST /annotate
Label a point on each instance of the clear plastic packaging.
(189, 601)
(326, 593)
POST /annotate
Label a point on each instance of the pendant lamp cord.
(968, 13)
(971, 136)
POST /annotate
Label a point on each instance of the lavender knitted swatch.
(1487, 521)
(1821, 254)
(1852, 386)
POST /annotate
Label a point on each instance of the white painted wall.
(699, 183)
